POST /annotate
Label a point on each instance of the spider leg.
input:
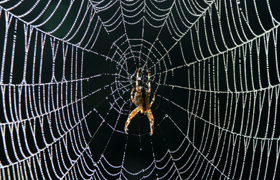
(137, 76)
(131, 115)
(151, 119)
(152, 101)
(149, 83)
(131, 96)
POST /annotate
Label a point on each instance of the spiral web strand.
(68, 67)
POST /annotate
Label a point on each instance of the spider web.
(68, 67)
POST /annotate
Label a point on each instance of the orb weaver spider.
(141, 100)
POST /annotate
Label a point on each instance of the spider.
(141, 100)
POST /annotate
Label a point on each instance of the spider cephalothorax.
(141, 100)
